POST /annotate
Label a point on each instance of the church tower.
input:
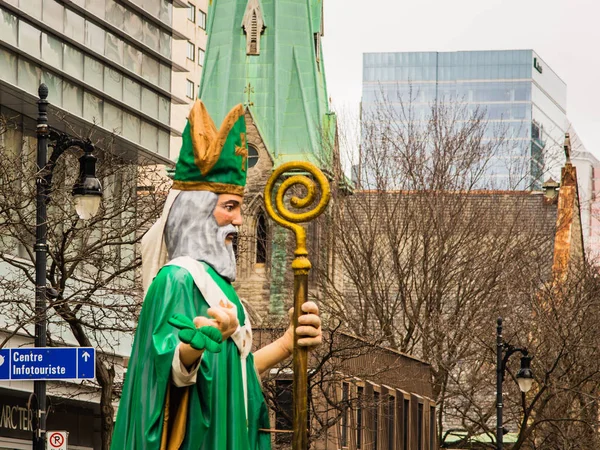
(267, 55)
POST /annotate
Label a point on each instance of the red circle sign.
(57, 440)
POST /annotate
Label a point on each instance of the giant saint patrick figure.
(192, 382)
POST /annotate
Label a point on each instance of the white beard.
(192, 230)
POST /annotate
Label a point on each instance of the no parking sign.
(56, 440)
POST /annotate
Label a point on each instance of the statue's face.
(229, 212)
(202, 225)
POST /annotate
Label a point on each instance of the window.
(189, 91)
(29, 39)
(420, 427)
(359, 417)
(375, 421)
(94, 37)
(405, 415)
(254, 36)
(252, 156)
(261, 239)
(432, 428)
(283, 411)
(150, 68)
(235, 245)
(53, 14)
(390, 422)
(202, 19)
(191, 12)
(8, 27)
(344, 420)
(200, 56)
(191, 51)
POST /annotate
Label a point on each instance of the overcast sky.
(565, 33)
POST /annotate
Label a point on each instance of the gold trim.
(242, 151)
(206, 140)
(173, 438)
(180, 422)
(217, 188)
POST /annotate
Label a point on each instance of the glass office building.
(520, 95)
(108, 65)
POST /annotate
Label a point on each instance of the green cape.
(216, 418)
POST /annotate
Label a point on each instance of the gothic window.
(261, 238)
(254, 35)
(253, 24)
(235, 245)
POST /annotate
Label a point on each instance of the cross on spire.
(249, 90)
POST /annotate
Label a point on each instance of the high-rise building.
(522, 97)
(108, 64)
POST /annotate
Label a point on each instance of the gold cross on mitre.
(242, 151)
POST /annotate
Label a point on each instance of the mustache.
(223, 232)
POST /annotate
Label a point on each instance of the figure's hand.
(224, 318)
(309, 328)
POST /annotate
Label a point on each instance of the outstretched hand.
(224, 318)
(308, 330)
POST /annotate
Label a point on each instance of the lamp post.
(524, 377)
(87, 192)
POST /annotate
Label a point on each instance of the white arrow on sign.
(86, 356)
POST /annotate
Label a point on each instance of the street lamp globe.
(86, 206)
(87, 191)
(525, 374)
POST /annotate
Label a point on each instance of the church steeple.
(267, 54)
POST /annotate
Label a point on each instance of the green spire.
(266, 54)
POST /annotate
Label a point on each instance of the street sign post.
(48, 363)
(56, 440)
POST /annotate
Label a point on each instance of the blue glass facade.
(519, 94)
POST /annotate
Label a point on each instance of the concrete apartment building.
(190, 52)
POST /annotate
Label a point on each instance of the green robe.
(216, 416)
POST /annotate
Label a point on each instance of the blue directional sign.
(48, 363)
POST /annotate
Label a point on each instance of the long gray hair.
(192, 230)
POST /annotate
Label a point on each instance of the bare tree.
(430, 258)
(94, 297)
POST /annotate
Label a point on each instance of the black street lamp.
(87, 193)
(524, 377)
